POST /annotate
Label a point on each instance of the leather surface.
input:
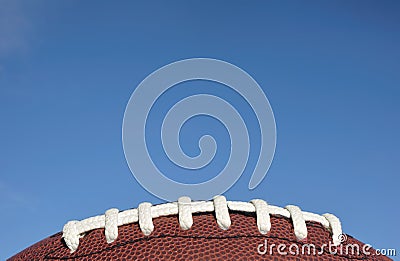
(204, 241)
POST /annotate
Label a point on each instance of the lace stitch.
(184, 208)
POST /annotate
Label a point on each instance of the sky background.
(330, 70)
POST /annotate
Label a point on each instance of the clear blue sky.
(329, 68)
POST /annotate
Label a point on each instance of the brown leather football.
(203, 230)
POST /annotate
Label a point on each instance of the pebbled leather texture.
(204, 241)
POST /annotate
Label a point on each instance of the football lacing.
(184, 208)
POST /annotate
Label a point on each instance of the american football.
(203, 230)
(199, 130)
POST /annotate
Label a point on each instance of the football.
(203, 230)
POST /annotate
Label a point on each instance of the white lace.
(145, 213)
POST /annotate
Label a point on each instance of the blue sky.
(330, 70)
